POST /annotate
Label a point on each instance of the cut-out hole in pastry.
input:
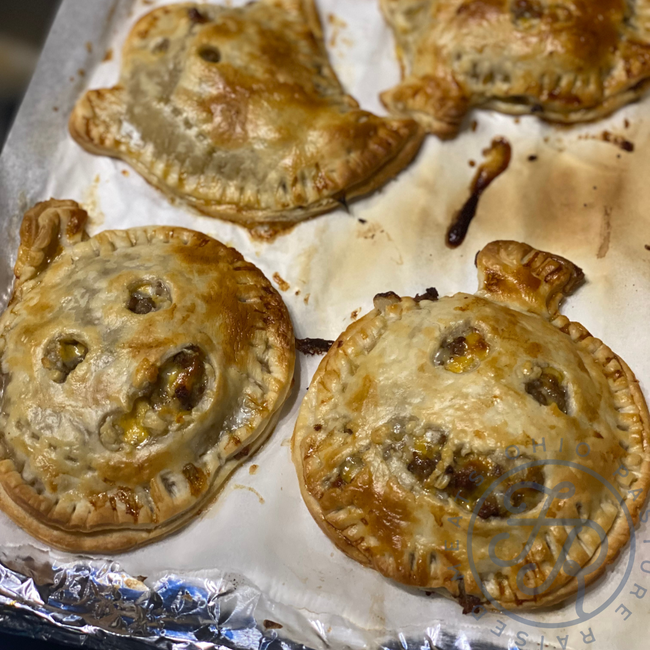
(180, 385)
(210, 54)
(472, 475)
(147, 296)
(547, 388)
(463, 352)
(62, 356)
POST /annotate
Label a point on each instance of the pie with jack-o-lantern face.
(565, 62)
(483, 445)
(238, 112)
(140, 367)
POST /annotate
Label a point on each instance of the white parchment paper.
(581, 197)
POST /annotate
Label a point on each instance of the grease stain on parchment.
(92, 205)
(238, 486)
(605, 233)
(337, 26)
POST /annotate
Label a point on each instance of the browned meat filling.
(180, 385)
(62, 356)
(472, 476)
(547, 389)
(148, 296)
(462, 353)
(422, 467)
(181, 381)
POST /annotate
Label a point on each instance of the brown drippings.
(130, 501)
(195, 477)
(605, 233)
(430, 293)
(617, 140)
(269, 232)
(272, 625)
(283, 285)
(243, 453)
(108, 56)
(497, 156)
(251, 490)
(89, 47)
(469, 603)
(313, 346)
(253, 469)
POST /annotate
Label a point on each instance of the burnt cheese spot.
(62, 356)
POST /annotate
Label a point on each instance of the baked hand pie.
(566, 62)
(238, 112)
(140, 368)
(483, 445)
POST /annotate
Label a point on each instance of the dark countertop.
(11, 642)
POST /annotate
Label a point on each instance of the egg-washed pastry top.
(139, 367)
(238, 112)
(565, 62)
(479, 444)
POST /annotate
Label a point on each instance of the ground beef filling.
(547, 389)
(148, 296)
(178, 389)
(472, 476)
(462, 353)
(62, 357)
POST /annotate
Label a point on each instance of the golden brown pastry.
(140, 368)
(467, 443)
(238, 112)
(566, 62)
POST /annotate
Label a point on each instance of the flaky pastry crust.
(565, 62)
(434, 428)
(238, 112)
(139, 368)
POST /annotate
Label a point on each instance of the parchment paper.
(582, 197)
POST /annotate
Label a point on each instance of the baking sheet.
(582, 197)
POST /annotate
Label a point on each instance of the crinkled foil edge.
(97, 605)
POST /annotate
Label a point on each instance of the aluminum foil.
(97, 605)
(255, 560)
